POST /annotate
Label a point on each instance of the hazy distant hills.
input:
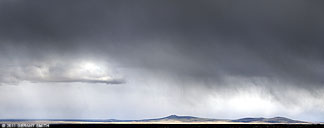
(268, 120)
(175, 118)
(181, 119)
(169, 119)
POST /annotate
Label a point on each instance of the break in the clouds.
(79, 71)
(220, 59)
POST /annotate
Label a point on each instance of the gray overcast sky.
(138, 59)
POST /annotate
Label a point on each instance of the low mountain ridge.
(180, 118)
(175, 118)
(268, 120)
(171, 119)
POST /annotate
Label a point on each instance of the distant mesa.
(175, 118)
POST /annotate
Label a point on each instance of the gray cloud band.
(85, 72)
(205, 40)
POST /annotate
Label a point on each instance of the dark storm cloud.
(203, 41)
(235, 57)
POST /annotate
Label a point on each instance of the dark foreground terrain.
(183, 126)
